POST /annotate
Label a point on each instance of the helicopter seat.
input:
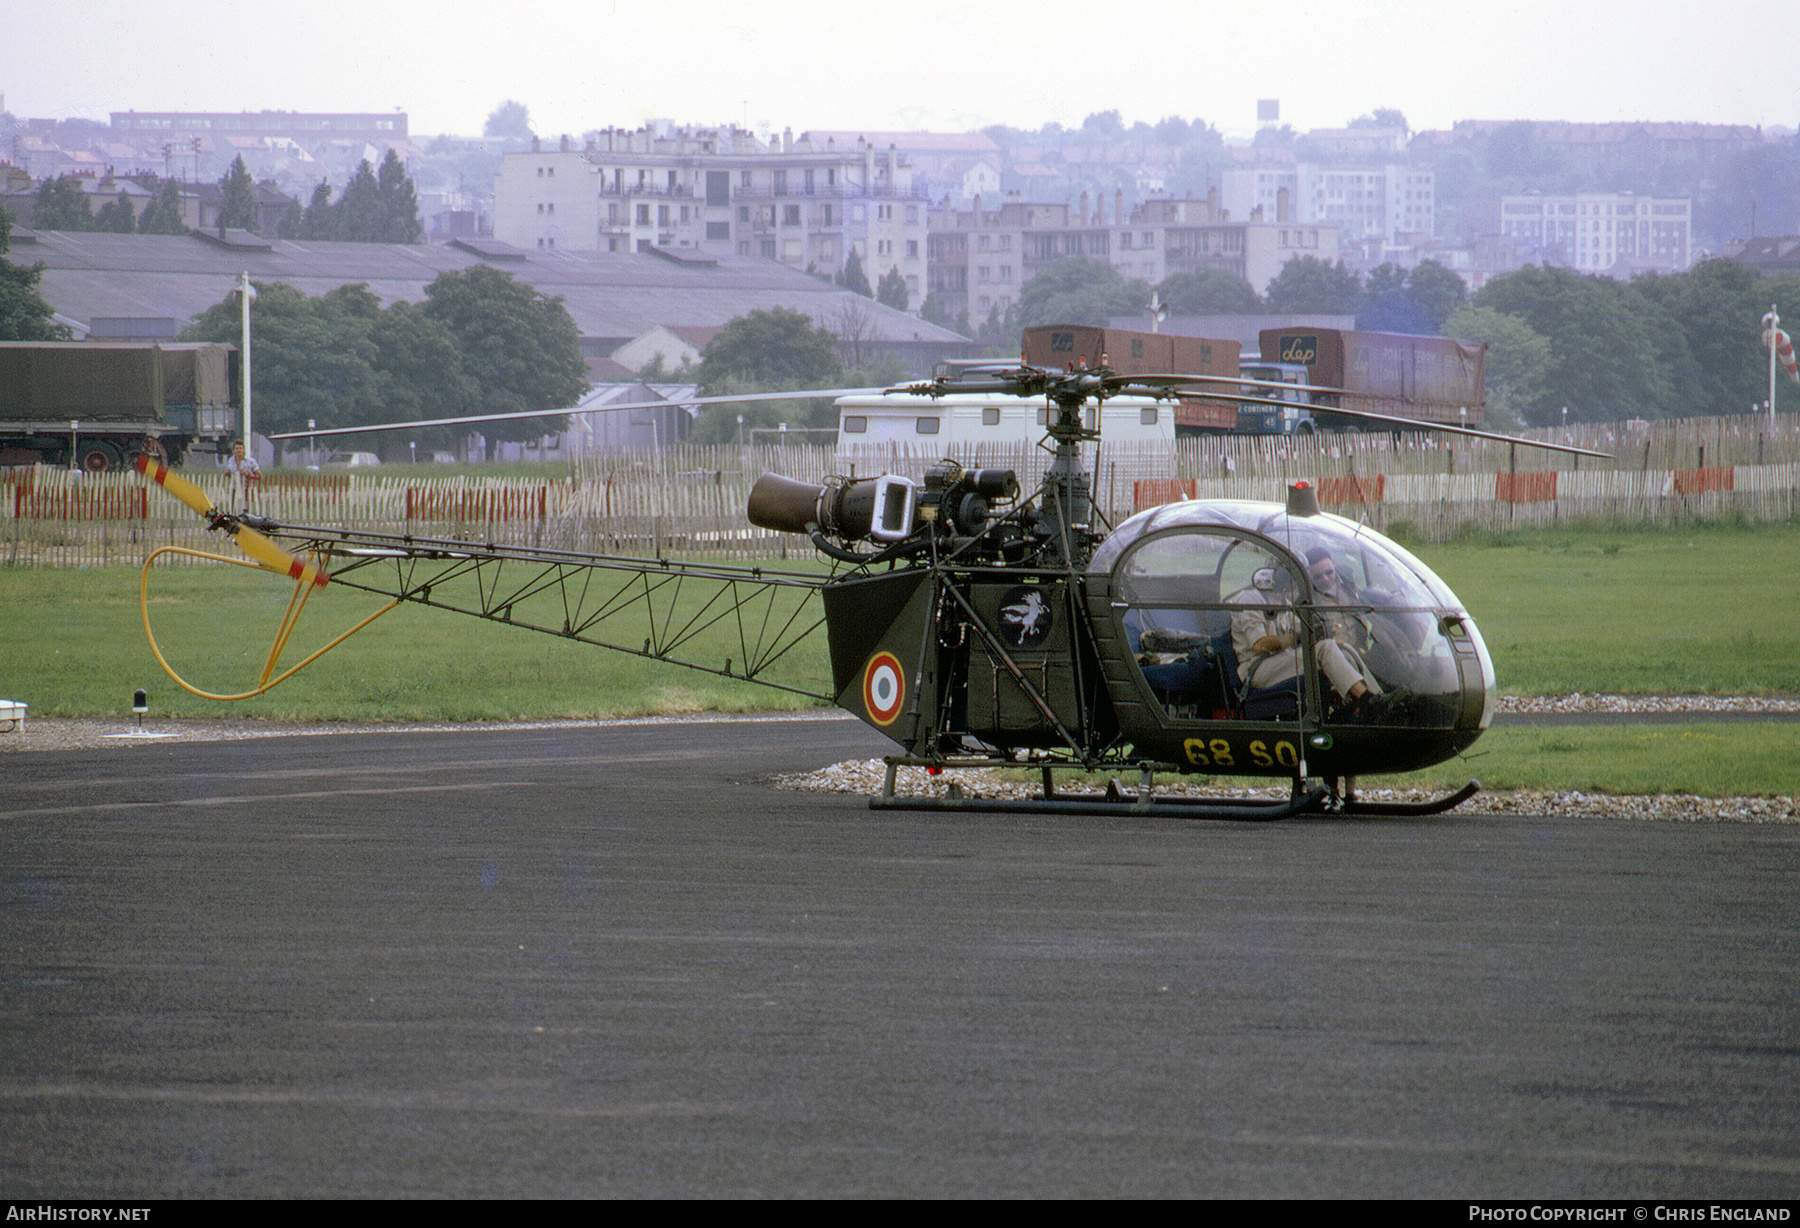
(1178, 659)
(1280, 702)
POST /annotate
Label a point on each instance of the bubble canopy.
(1219, 603)
(1400, 576)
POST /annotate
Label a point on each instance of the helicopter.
(978, 624)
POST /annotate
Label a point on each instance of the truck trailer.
(1430, 379)
(1056, 346)
(96, 406)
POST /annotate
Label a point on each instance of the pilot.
(1387, 641)
(1332, 587)
(1267, 643)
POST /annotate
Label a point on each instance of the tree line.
(1661, 345)
(480, 343)
(1082, 291)
(376, 206)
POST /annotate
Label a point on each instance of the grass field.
(1701, 610)
(1691, 611)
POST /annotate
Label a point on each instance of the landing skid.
(1449, 801)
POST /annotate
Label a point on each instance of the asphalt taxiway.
(615, 962)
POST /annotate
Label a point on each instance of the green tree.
(162, 216)
(1418, 300)
(1382, 117)
(359, 210)
(777, 350)
(1518, 361)
(509, 121)
(62, 205)
(1756, 191)
(999, 333)
(1207, 292)
(1716, 305)
(116, 216)
(1308, 285)
(1080, 291)
(1437, 292)
(420, 369)
(1614, 353)
(1102, 127)
(520, 349)
(399, 202)
(892, 290)
(24, 315)
(237, 197)
(320, 220)
(312, 357)
(853, 277)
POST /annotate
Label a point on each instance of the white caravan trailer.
(959, 422)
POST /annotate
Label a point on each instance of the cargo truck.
(96, 405)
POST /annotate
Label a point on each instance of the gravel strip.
(1525, 704)
(865, 777)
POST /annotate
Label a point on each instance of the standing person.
(243, 470)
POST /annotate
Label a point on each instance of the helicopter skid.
(1449, 801)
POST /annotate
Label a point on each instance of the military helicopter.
(975, 624)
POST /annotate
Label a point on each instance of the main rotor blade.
(1411, 424)
(805, 394)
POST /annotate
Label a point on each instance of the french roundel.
(884, 688)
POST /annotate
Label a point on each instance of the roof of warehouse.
(609, 294)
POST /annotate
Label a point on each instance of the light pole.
(246, 295)
(1772, 334)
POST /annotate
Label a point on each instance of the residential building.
(1374, 207)
(980, 258)
(805, 203)
(305, 127)
(1773, 257)
(1616, 233)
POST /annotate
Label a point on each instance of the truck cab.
(1295, 417)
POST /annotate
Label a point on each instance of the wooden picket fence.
(690, 499)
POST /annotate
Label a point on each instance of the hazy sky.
(806, 64)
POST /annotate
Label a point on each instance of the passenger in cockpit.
(1267, 643)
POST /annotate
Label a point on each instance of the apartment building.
(1384, 206)
(1616, 233)
(805, 203)
(980, 258)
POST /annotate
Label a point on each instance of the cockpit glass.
(1282, 616)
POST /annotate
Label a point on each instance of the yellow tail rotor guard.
(307, 577)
